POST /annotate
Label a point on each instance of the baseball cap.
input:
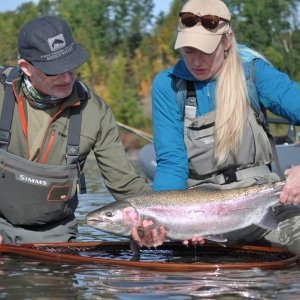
(47, 43)
(199, 37)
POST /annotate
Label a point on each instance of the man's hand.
(291, 190)
(147, 235)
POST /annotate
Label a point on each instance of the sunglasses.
(208, 21)
(48, 75)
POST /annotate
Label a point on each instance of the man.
(49, 123)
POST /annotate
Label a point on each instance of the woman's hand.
(197, 240)
(145, 234)
(291, 190)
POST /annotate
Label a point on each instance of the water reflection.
(27, 279)
(23, 278)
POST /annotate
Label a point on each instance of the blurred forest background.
(127, 46)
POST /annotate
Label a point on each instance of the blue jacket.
(276, 91)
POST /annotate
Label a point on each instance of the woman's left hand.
(197, 240)
(291, 190)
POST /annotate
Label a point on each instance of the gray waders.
(37, 201)
(250, 167)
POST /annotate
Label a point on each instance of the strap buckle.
(72, 154)
(229, 176)
(4, 136)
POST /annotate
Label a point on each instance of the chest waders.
(254, 156)
(34, 194)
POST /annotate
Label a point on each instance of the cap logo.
(57, 42)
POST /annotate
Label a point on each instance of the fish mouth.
(93, 222)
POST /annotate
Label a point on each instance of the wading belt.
(72, 151)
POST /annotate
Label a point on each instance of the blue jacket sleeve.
(172, 168)
(277, 92)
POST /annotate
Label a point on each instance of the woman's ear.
(25, 66)
(228, 40)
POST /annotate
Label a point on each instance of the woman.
(218, 140)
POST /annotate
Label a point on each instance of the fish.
(193, 212)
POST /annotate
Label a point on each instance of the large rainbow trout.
(194, 212)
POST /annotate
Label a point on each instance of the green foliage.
(266, 26)
(127, 45)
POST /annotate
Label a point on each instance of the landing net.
(168, 257)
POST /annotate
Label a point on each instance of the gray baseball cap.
(47, 43)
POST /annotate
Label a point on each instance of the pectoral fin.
(216, 238)
(268, 221)
(135, 250)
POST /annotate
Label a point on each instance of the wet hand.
(291, 190)
(145, 234)
(197, 240)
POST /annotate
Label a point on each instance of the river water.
(27, 278)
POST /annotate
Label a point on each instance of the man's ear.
(25, 66)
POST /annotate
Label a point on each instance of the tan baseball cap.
(206, 40)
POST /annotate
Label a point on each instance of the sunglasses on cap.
(208, 21)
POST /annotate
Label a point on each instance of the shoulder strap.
(186, 97)
(261, 114)
(72, 151)
(82, 90)
(259, 109)
(190, 105)
(7, 76)
(179, 86)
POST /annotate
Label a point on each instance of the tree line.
(127, 45)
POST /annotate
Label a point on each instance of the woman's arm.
(277, 92)
(172, 167)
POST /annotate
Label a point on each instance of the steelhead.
(189, 213)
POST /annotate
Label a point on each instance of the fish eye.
(109, 214)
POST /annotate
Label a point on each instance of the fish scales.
(190, 213)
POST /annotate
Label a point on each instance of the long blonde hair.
(231, 105)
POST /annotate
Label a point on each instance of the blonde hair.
(231, 105)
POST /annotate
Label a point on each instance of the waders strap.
(275, 157)
(72, 151)
(261, 117)
(7, 108)
(190, 105)
(186, 94)
(233, 175)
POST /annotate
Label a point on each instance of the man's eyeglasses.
(208, 21)
(49, 75)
